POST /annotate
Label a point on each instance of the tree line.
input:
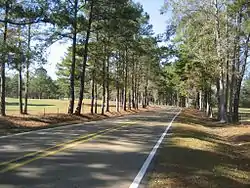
(212, 42)
(41, 86)
(113, 54)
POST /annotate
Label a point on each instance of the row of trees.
(41, 86)
(212, 40)
(113, 55)
(112, 52)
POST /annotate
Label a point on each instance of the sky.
(152, 7)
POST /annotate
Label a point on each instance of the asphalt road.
(107, 153)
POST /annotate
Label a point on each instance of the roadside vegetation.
(200, 152)
(209, 144)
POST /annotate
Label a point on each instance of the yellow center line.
(13, 164)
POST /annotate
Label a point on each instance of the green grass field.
(37, 107)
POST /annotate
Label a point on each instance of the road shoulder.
(202, 153)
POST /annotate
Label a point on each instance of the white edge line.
(146, 164)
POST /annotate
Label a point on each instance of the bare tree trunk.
(133, 82)
(197, 100)
(85, 59)
(20, 77)
(236, 104)
(187, 101)
(231, 94)
(103, 84)
(117, 88)
(227, 67)
(96, 98)
(136, 87)
(3, 89)
(129, 100)
(73, 64)
(200, 100)
(126, 81)
(123, 81)
(227, 87)
(177, 99)
(92, 93)
(137, 98)
(107, 85)
(240, 78)
(117, 99)
(145, 103)
(27, 65)
(222, 109)
(20, 88)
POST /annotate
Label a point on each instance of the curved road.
(107, 153)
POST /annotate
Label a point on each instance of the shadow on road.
(112, 160)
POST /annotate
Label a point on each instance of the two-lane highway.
(107, 153)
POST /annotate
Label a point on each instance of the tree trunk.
(20, 88)
(133, 82)
(92, 93)
(96, 98)
(26, 92)
(107, 85)
(231, 98)
(187, 101)
(227, 87)
(117, 88)
(137, 99)
(240, 78)
(227, 66)
(3, 89)
(129, 100)
(73, 64)
(103, 85)
(209, 112)
(126, 81)
(20, 77)
(136, 87)
(210, 104)
(145, 103)
(197, 100)
(222, 102)
(236, 104)
(177, 99)
(117, 100)
(200, 100)
(85, 58)
(222, 109)
(218, 98)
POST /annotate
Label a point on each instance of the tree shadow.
(195, 155)
(112, 160)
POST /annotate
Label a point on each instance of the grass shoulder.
(202, 153)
